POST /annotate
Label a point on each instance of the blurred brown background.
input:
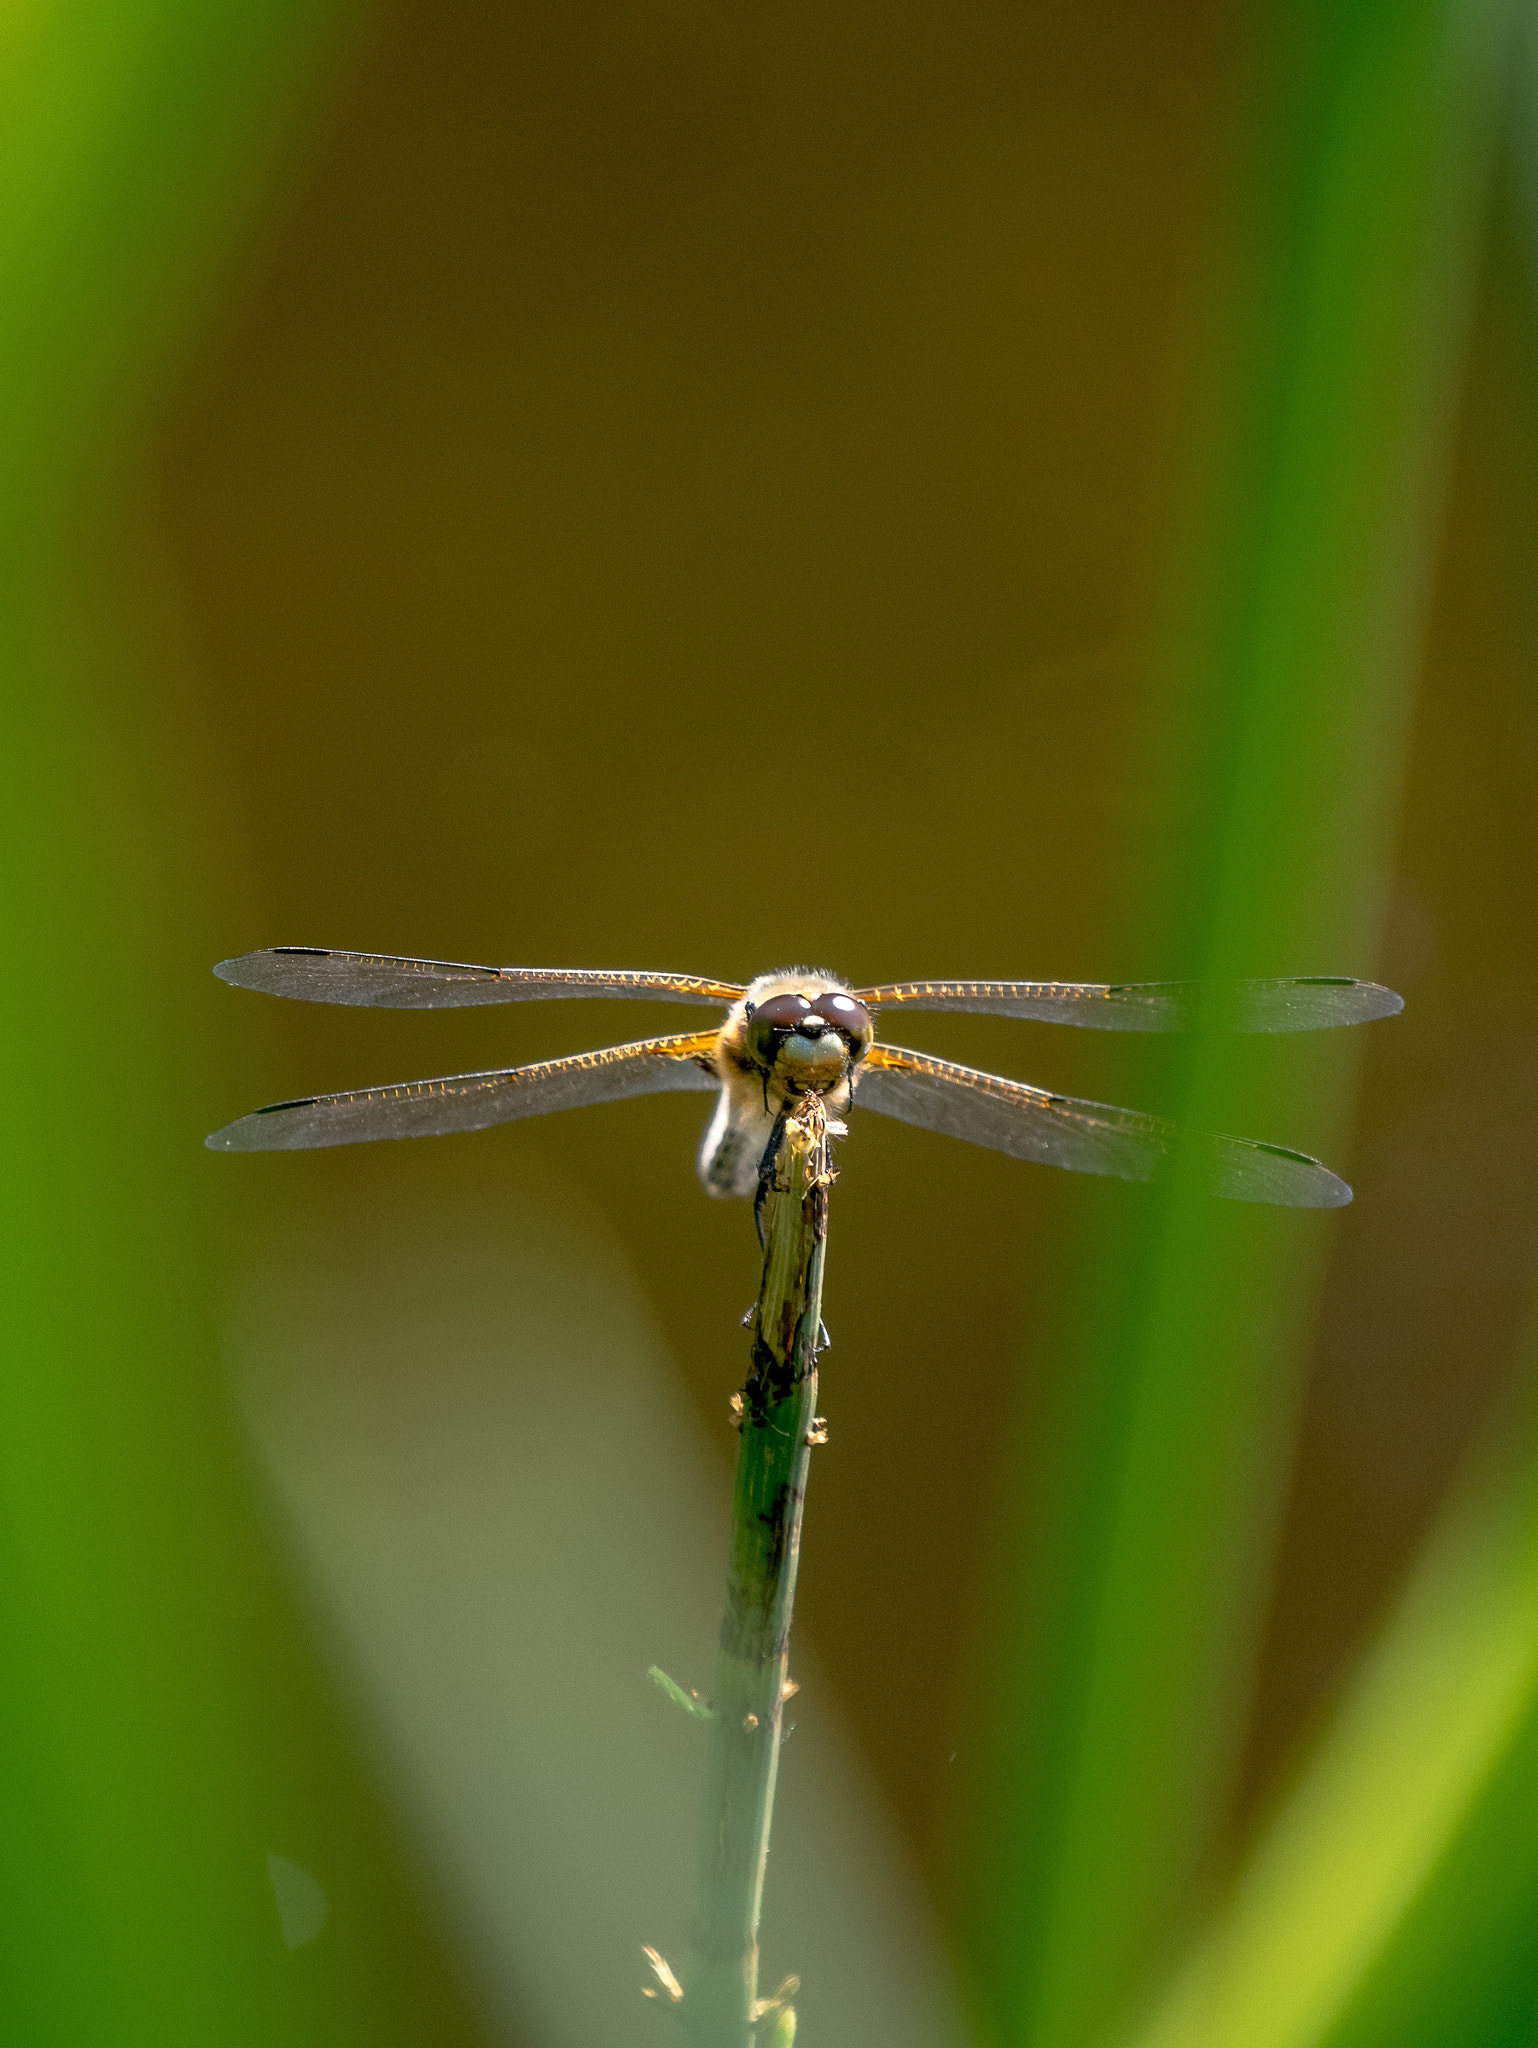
(678, 488)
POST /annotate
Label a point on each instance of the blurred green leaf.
(1392, 1899)
(163, 1729)
(135, 137)
(1274, 734)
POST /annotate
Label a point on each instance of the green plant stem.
(778, 1415)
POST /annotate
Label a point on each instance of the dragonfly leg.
(766, 1167)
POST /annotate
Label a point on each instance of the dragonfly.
(799, 1031)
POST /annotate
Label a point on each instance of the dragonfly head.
(808, 1039)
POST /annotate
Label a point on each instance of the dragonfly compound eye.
(851, 1019)
(772, 1023)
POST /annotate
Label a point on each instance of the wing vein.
(318, 974)
(1087, 1137)
(472, 1102)
(1292, 1003)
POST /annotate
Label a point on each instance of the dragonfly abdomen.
(734, 1144)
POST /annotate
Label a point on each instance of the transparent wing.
(1310, 1003)
(1086, 1137)
(469, 1102)
(315, 974)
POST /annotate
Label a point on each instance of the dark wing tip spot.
(308, 952)
(1327, 1190)
(1386, 1002)
(299, 1102)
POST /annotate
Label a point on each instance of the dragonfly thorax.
(789, 1034)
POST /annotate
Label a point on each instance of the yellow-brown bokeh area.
(921, 491)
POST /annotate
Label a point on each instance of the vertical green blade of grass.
(1128, 1637)
(1457, 1963)
(1390, 1902)
(162, 1729)
(132, 139)
(1392, 1899)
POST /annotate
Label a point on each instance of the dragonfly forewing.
(472, 1102)
(1086, 1137)
(1309, 1003)
(317, 974)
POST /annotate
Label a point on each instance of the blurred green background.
(1002, 491)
